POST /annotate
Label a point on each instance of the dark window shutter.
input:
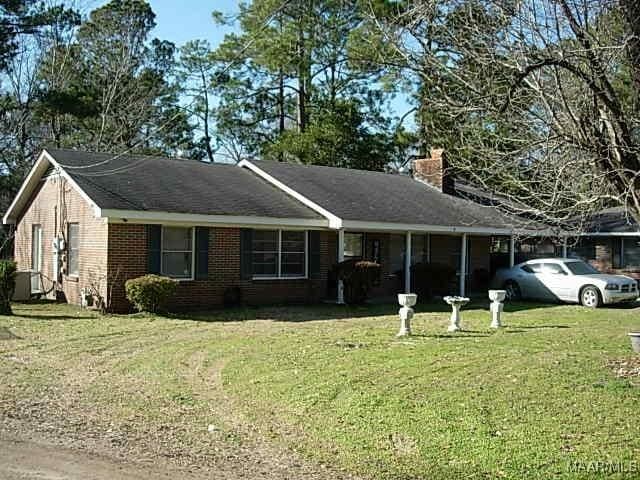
(246, 253)
(314, 254)
(202, 253)
(154, 237)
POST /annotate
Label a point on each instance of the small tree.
(100, 288)
(358, 277)
(7, 285)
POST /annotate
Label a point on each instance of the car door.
(534, 282)
(526, 280)
(554, 281)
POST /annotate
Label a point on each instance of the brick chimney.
(435, 171)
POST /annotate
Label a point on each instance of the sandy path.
(26, 460)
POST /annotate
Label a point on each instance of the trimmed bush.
(150, 293)
(7, 285)
(358, 277)
(429, 279)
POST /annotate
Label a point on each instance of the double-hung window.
(279, 254)
(177, 252)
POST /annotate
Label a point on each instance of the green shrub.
(150, 293)
(7, 285)
(358, 277)
(429, 279)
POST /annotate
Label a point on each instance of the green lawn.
(335, 384)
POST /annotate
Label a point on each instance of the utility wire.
(233, 61)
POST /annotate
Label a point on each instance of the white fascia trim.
(72, 182)
(189, 219)
(29, 185)
(419, 228)
(334, 221)
(31, 182)
(357, 225)
(607, 234)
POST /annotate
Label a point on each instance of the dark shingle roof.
(133, 182)
(614, 220)
(382, 197)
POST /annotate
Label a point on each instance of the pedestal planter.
(407, 300)
(635, 341)
(496, 297)
(456, 304)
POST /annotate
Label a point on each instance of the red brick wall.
(128, 255)
(53, 205)
(435, 171)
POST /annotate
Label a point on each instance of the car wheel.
(513, 290)
(590, 297)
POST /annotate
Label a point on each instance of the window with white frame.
(177, 252)
(279, 254)
(73, 248)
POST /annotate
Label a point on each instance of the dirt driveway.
(26, 460)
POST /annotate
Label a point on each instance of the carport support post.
(512, 251)
(564, 247)
(463, 265)
(340, 259)
(407, 264)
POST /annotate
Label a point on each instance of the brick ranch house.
(271, 230)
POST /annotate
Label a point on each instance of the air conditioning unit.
(23, 286)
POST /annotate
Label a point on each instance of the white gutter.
(168, 218)
(358, 225)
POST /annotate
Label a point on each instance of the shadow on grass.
(45, 317)
(325, 311)
(454, 336)
(6, 334)
(539, 327)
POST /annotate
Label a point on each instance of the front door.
(36, 258)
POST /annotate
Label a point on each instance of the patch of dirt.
(58, 435)
(26, 460)
(628, 368)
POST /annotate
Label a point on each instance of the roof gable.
(176, 186)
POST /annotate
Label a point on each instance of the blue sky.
(178, 23)
(181, 21)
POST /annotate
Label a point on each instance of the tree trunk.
(281, 106)
(207, 137)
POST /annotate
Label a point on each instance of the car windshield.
(581, 268)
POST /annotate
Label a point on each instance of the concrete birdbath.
(456, 304)
(496, 297)
(407, 300)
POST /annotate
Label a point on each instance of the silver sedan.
(567, 280)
